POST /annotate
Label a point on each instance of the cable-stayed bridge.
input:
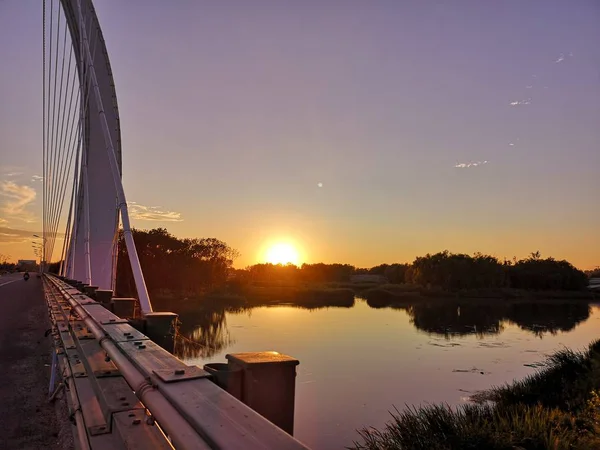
(107, 363)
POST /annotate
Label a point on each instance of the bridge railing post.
(268, 385)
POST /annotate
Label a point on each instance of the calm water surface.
(357, 364)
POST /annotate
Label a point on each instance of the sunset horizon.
(285, 250)
(370, 135)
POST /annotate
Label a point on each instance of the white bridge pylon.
(82, 150)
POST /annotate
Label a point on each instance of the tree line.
(192, 266)
(445, 270)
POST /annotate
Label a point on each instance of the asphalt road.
(28, 420)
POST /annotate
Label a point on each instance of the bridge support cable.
(64, 148)
(51, 163)
(140, 283)
(45, 114)
(65, 102)
(70, 141)
(84, 165)
(58, 138)
(64, 255)
(42, 258)
(57, 151)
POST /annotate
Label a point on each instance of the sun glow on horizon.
(282, 253)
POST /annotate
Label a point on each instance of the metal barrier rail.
(111, 363)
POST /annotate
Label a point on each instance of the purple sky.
(232, 112)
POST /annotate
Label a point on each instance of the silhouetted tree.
(458, 271)
(545, 274)
(178, 265)
(327, 272)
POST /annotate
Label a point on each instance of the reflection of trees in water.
(202, 334)
(540, 318)
(456, 320)
(459, 320)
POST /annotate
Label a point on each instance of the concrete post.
(90, 291)
(160, 327)
(104, 296)
(123, 307)
(268, 385)
(226, 378)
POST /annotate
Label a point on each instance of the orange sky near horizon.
(368, 250)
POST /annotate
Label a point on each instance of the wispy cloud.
(152, 213)
(470, 164)
(36, 178)
(520, 102)
(562, 57)
(13, 174)
(15, 236)
(14, 200)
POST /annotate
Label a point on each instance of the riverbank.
(556, 408)
(254, 296)
(390, 294)
(343, 294)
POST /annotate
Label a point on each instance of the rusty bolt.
(129, 337)
(179, 371)
(127, 333)
(136, 421)
(137, 343)
(141, 346)
(121, 398)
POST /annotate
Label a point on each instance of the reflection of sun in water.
(282, 253)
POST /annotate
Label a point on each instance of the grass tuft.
(556, 408)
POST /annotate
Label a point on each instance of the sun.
(282, 253)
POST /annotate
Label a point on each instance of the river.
(359, 363)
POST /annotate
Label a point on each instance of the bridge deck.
(28, 420)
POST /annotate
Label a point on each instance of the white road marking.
(8, 282)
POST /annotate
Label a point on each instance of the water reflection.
(204, 333)
(540, 318)
(455, 320)
(462, 319)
